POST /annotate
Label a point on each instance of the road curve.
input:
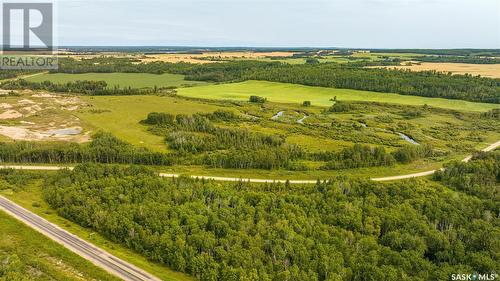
(165, 175)
(90, 252)
(428, 173)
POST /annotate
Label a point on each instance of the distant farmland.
(292, 93)
(134, 80)
(486, 70)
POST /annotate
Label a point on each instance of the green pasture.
(123, 80)
(319, 96)
(121, 115)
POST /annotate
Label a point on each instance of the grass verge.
(42, 258)
(31, 198)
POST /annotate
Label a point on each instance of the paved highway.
(97, 256)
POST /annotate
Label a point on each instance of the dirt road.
(391, 178)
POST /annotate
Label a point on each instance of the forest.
(349, 76)
(92, 88)
(104, 148)
(8, 74)
(342, 229)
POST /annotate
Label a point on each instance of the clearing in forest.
(319, 96)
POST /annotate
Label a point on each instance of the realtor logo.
(28, 36)
(28, 27)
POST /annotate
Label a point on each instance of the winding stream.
(278, 115)
(408, 139)
(301, 121)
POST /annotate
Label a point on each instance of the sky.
(280, 23)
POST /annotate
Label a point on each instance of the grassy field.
(32, 196)
(121, 115)
(41, 258)
(134, 80)
(292, 93)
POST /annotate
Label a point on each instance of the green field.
(28, 254)
(121, 115)
(37, 246)
(134, 80)
(319, 96)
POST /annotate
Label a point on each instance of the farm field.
(25, 253)
(485, 70)
(122, 80)
(211, 57)
(342, 59)
(31, 198)
(292, 93)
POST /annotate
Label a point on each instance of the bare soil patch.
(10, 114)
(486, 70)
(42, 116)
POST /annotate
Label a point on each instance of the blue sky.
(274, 23)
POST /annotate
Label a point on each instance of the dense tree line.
(222, 147)
(97, 88)
(361, 156)
(8, 74)
(269, 158)
(358, 156)
(480, 177)
(426, 83)
(494, 114)
(410, 153)
(104, 148)
(343, 229)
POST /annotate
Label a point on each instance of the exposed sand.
(19, 133)
(54, 125)
(44, 96)
(62, 134)
(68, 101)
(486, 70)
(26, 101)
(10, 114)
(5, 106)
(31, 109)
(70, 108)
